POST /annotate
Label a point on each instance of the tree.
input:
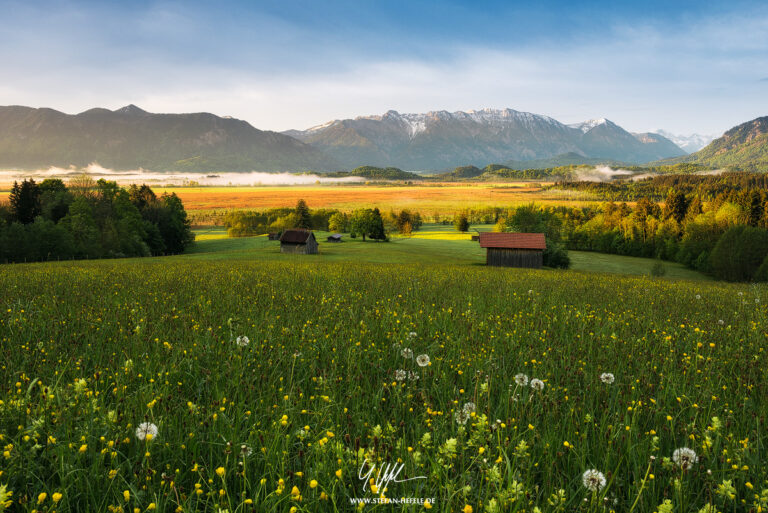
(676, 206)
(82, 185)
(303, 216)
(739, 253)
(368, 223)
(338, 222)
(54, 199)
(461, 222)
(25, 201)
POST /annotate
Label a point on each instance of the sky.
(686, 67)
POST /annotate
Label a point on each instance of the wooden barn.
(298, 241)
(514, 249)
(336, 237)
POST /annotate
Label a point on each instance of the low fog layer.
(607, 173)
(96, 172)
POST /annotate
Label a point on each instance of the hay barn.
(514, 249)
(336, 237)
(301, 242)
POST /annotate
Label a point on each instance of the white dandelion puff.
(407, 353)
(461, 417)
(607, 378)
(684, 458)
(537, 384)
(413, 376)
(469, 408)
(521, 379)
(593, 480)
(146, 431)
(242, 341)
(412, 334)
(400, 375)
(422, 360)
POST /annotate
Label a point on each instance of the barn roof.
(296, 236)
(513, 240)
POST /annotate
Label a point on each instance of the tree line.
(368, 223)
(88, 219)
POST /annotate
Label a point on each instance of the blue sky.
(680, 66)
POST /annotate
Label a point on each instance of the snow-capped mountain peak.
(690, 143)
(588, 125)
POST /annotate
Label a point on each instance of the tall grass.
(285, 421)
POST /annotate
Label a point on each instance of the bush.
(739, 253)
(658, 269)
(762, 272)
(556, 256)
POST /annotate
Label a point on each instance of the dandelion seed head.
(684, 458)
(146, 428)
(521, 379)
(593, 480)
(422, 360)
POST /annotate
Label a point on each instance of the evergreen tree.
(676, 206)
(303, 216)
(25, 201)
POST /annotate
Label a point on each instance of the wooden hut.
(298, 241)
(335, 237)
(514, 249)
(273, 236)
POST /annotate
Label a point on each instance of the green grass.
(433, 244)
(93, 349)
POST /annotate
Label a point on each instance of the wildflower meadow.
(244, 386)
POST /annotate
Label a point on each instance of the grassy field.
(433, 244)
(98, 354)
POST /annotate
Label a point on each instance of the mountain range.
(743, 147)
(441, 139)
(131, 138)
(688, 143)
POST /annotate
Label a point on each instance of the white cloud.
(702, 77)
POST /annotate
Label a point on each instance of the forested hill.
(743, 147)
(131, 138)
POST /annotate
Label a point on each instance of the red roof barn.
(514, 249)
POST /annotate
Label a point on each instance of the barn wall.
(503, 257)
(310, 248)
(287, 247)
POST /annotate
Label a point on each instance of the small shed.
(336, 237)
(298, 241)
(514, 249)
(273, 236)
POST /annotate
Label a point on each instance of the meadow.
(435, 198)
(238, 379)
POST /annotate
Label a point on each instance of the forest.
(89, 219)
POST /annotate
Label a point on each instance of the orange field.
(426, 198)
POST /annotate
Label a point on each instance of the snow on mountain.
(588, 125)
(689, 143)
(442, 139)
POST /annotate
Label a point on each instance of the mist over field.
(97, 172)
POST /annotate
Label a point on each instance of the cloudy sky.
(688, 67)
